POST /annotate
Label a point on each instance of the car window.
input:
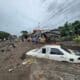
(56, 51)
(64, 48)
(44, 50)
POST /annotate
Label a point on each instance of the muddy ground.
(11, 67)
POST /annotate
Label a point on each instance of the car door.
(56, 54)
(43, 53)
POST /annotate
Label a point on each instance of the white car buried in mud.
(56, 52)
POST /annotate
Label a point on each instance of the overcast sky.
(17, 15)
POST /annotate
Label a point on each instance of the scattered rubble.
(29, 61)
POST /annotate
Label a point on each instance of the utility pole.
(39, 25)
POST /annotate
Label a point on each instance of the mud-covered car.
(56, 52)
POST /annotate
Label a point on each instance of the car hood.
(31, 51)
(75, 52)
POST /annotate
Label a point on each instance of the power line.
(63, 10)
(58, 11)
(67, 7)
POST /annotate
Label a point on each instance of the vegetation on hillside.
(69, 31)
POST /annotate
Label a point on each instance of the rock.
(2, 50)
(23, 56)
(10, 70)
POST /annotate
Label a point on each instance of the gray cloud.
(60, 12)
(17, 15)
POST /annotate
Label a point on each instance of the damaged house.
(43, 36)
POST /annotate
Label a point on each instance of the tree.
(76, 26)
(24, 34)
(4, 35)
(65, 29)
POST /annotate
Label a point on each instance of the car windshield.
(67, 50)
(77, 52)
(37, 49)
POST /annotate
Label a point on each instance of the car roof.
(53, 46)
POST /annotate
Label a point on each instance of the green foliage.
(70, 30)
(24, 34)
(76, 26)
(4, 35)
(67, 38)
(77, 39)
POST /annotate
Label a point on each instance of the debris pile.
(29, 61)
